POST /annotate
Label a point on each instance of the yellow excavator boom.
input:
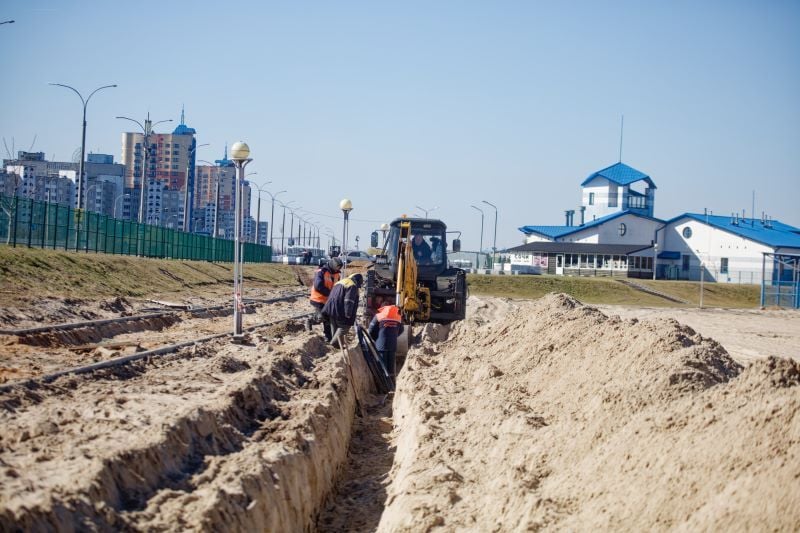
(413, 300)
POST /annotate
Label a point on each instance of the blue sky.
(433, 104)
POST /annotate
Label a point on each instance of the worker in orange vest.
(384, 329)
(326, 277)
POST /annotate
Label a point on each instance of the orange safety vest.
(389, 313)
(330, 279)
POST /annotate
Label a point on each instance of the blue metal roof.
(547, 231)
(555, 232)
(779, 235)
(621, 174)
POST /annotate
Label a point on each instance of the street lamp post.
(384, 229)
(272, 216)
(147, 128)
(346, 206)
(258, 207)
(480, 250)
(283, 225)
(426, 211)
(188, 201)
(494, 242)
(80, 203)
(117, 200)
(239, 153)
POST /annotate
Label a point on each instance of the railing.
(35, 224)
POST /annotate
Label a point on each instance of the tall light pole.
(117, 200)
(188, 201)
(283, 225)
(80, 203)
(480, 250)
(239, 153)
(494, 242)
(258, 207)
(272, 216)
(147, 128)
(346, 206)
(426, 211)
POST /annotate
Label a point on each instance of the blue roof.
(182, 128)
(779, 235)
(555, 232)
(621, 174)
(547, 231)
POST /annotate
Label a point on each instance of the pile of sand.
(551, 414)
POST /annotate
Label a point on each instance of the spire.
(224, 162)
(182, 128)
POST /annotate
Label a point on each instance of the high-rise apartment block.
(30, 175)
(170, 164)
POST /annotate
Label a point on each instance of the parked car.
(357, 255)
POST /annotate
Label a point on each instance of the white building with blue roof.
(727, 249)
(616, 234)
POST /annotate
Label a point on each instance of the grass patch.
(27, 272)
(609, 291)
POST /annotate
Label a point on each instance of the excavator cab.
(413, 273)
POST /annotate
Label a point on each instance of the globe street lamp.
(147, 128)
(480, 249)
(346, 206)
(494, 243)
(188, 201)
(240, 153)
(80, 203)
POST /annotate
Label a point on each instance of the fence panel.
(35, 224)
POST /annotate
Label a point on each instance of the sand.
(543, 415)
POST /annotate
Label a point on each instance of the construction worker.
(341, 307)
(422, 250)
(326, 277)
(384, 329)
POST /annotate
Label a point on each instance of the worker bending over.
(341, 307)
(384, 329)
(326, 277)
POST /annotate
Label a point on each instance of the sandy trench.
(528, 415)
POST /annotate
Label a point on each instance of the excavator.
(412, 272)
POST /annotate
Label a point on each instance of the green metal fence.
(35, 224)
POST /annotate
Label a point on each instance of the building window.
(591, 198)
(622, 229)
(687, 232)
(723, 265)
(612, 196)
(685, 261)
